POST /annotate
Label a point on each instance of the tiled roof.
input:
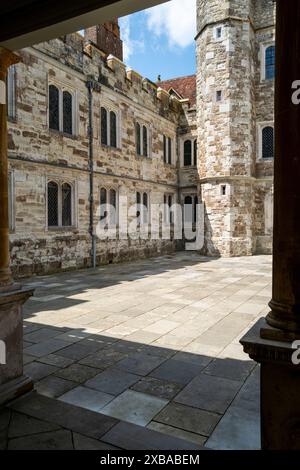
(185, 87)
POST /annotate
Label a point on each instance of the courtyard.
(151, 345)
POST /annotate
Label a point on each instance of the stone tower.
(225, 44)
(107, 37)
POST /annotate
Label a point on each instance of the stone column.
(12, 296)
(271, 341)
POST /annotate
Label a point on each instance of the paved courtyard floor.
(153, 343)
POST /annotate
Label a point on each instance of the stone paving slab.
(112, 381)
(135, 407)
(132, 437)
(173, 322)
(209, 393)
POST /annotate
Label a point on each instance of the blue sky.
(160, 40)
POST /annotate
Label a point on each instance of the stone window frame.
(62, 86)
(110, 108)
(142, 192)
(215, 33)
(11, 201)
(11, 93)
(166, 158)
(143, 124)
(263, 49)
(169, 216)
(193, 139)
(260, 127)
(74, 215)
(108, 188)
(194, 195)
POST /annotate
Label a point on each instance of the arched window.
(188, 209)
(138, 138)
(145, 208)
(66, 192)
(195, 209)
(113, 129)
(103, 204)
(52, 204)
(11, 92)
(270, 63)
(268, 142)
(195, 152)
(104, 123)
(169, 150)
(67, 113)
(188, 153)
(138, 206)
(145, 141)
(165, 150)
(113, 208)
(54, 108)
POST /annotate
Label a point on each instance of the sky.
(160, 40)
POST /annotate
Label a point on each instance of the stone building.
(85, 131)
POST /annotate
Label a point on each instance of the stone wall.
(38, 154)
(232, 103)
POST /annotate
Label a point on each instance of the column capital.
(7, 58)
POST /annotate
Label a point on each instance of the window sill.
(142, 157)
(62, 229)
(63, 134)
(110, 147)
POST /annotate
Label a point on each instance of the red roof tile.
(185, 87)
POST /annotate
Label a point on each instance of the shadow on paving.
(131, 395)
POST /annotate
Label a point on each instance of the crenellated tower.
(226, 123)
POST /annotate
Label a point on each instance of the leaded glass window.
(66, 194)
(52, 204)
(268, 142)
(165, 149)
(113, 203)
(67, 113)
(138, 206)
(103, 203)
(104, 126)
(113, 129)
(195, 152)
(270, 62)
(11, 92)
(53, 107)
(195, 209)
(145, 208)
(188, 153)
(145, 141)
(138, 138)
(169, 150)
(188, 209)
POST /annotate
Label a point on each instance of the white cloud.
(130, 45)
(175, 19)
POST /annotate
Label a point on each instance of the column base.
(279, 388)
(15, 388)
(12, 381)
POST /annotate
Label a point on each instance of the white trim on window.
(216, 31)
(149, 139)
(74, 215)
(110, 108)
(61, 88)
(262, 53)
(260, 127)
(183, 140)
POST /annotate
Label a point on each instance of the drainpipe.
(90, 87)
